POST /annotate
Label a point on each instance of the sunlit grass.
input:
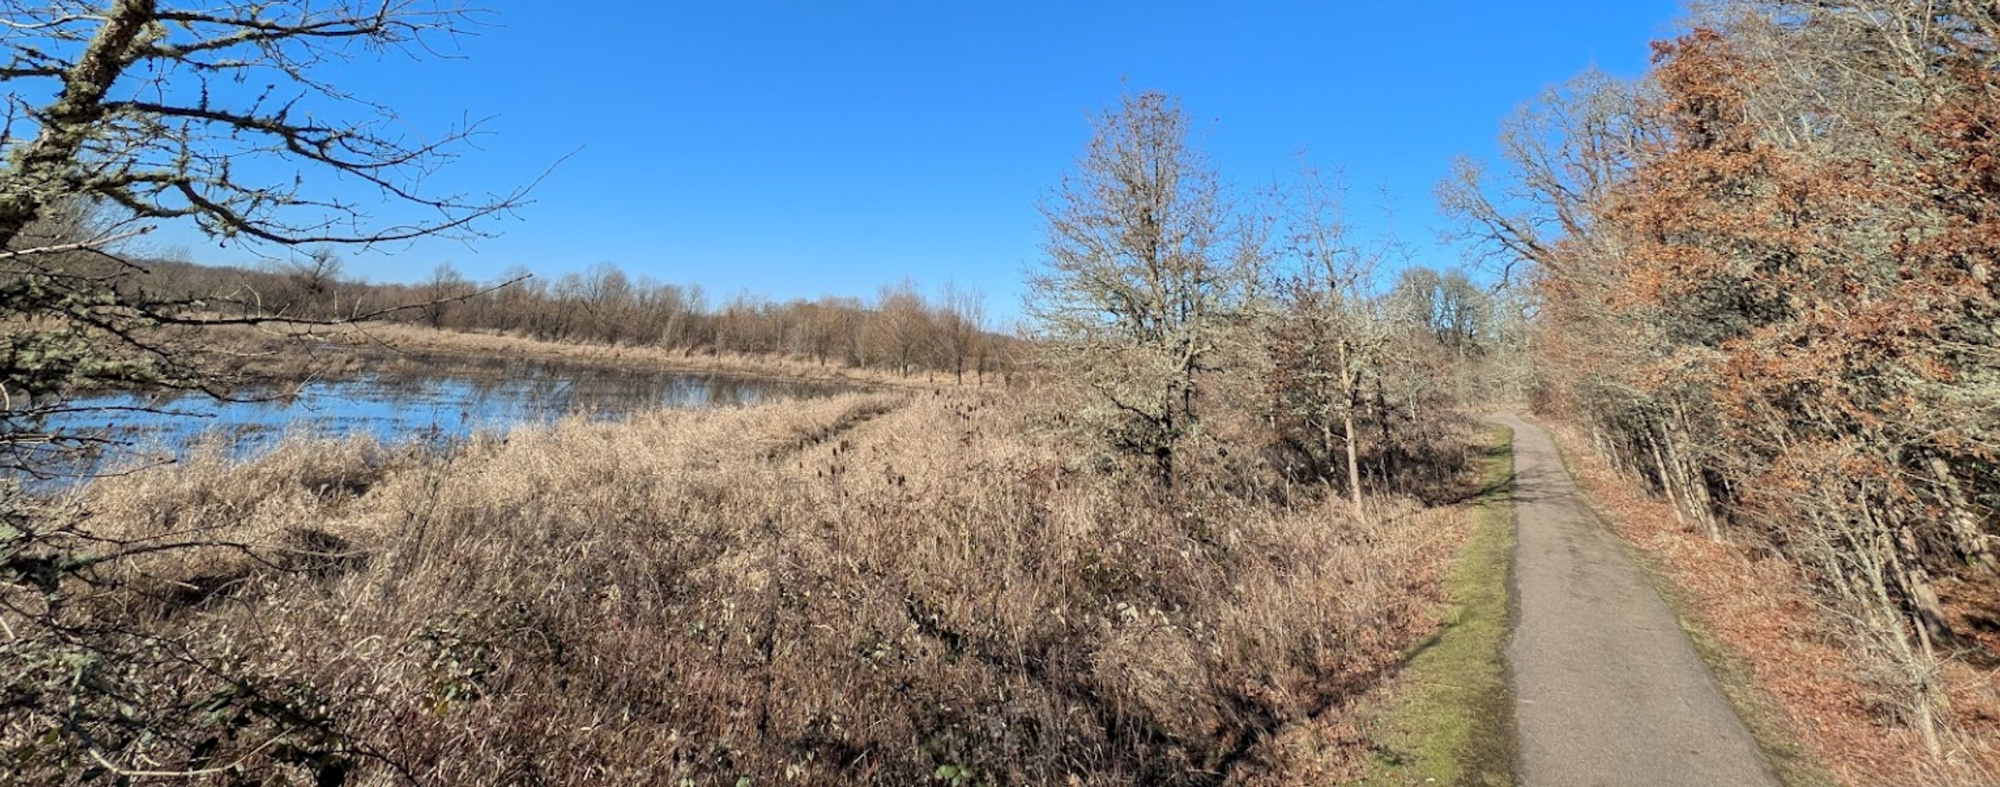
(869, 588)
(1452, 722)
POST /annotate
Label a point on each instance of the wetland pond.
(414, 399)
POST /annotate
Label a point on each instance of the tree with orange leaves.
(1782, 310)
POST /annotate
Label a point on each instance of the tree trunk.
(1694, 484)
(1353, 467)
(67, 123)
(1689, 498)
(1382, 424)
(1928, 621)
(1666, 477)
(1971, 541)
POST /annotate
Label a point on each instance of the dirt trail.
(1608, 690)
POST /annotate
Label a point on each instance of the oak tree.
(1147, 267)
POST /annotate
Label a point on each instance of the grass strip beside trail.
(1452, 722)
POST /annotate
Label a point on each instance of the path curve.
(1607, 688)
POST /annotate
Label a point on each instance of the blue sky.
(799, 148)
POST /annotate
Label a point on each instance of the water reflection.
(421, 400)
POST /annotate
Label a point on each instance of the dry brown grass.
(1759, 609)
(861, 589)
(303, 352)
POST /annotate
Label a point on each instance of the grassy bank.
(292, 354)
(872, 588)
(1452, 720)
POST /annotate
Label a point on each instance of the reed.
(892, 588)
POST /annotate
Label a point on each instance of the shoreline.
(349, 351)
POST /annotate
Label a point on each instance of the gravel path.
(1608, 690)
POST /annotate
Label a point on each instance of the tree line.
(1765, 283)
(901, 329)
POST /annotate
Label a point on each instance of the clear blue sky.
(800, 148)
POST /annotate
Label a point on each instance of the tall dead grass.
(305, 352)
(872, 588)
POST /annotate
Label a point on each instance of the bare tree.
(1148, 266)
(150, 114)
(605, 296)
(509, 307)
(1447, 306)
(1328, 339)
(441, 292)
(149, 119)
(961, 327)
(902, 324)
(1564, 153)
(225, 115)
(827, 323)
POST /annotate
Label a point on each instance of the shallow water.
(424, 401)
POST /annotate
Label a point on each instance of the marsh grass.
(301, 353)
(870, 588)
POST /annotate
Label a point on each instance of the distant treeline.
(901, 329)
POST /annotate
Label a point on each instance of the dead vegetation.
(288, 355)
(1764, 288)
(893, 589)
